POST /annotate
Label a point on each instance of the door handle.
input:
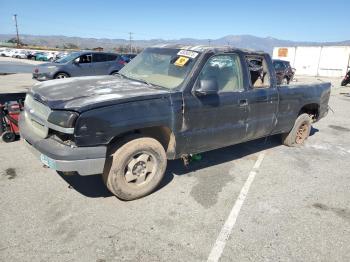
(243, 102)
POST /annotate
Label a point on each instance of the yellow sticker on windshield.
(181, 61)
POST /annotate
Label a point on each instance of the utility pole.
(130, 39)
(15, 18)
(209, 42)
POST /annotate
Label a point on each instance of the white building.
(329, 61)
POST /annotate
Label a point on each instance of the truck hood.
(84, 93)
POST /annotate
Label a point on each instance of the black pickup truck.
(169, 102)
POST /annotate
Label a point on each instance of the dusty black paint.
(111, 106)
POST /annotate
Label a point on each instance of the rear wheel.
(8, 137)
(61, 75)
(300, 131)
(137, 168)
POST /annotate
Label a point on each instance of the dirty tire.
(299, 133)
(137, 168)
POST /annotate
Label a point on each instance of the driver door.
(216, 120)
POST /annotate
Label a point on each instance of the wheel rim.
(140, 169)
(284, 81)
(60, 76)
(302, 133)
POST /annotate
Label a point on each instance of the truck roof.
(205, 48)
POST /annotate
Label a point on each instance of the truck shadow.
(93, 186)
(219, 156)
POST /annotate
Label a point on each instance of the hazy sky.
(308, 20)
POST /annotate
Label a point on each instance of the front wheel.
(299, 133)
(61, 75)
(137, 168)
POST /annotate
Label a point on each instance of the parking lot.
(297, 207)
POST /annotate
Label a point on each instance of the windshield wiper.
(145, 82)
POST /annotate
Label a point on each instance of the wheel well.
(162, 134)
(312, 109)
(60, 72)
(114, 71)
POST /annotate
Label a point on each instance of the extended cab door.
(262, 97)
(215, 120)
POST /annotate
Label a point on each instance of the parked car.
(128, 57)
(61, 55)
(79, 64)
(20, 54)
(4, 52)
(9, 52)
(167, 103)
(46, 56)
(346, 79)
(284, 72)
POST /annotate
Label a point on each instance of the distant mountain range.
(241, 41)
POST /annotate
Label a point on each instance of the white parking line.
(226, 230)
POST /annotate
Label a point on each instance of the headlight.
(64, 119)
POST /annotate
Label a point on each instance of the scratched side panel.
(293, 98)
(100, 126)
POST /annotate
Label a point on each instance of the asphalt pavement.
(297, 207)
(15, 67)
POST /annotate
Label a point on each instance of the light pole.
(15, 18)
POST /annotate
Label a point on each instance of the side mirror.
(207, 87)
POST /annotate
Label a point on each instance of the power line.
(15, 18)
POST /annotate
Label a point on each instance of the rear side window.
(226, 70)
(100, 58)
(259, 71)
(278, 65)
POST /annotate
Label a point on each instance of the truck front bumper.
(61, 157)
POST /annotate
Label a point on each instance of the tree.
(13, 40)
(70, 46)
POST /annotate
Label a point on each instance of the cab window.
(225, 70)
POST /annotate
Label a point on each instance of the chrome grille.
(36, 115)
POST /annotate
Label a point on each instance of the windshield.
(163, 67)
(67, 58)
